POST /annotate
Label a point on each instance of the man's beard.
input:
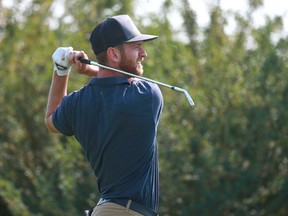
(130, 66)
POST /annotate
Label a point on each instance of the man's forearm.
(93, 71)
(58, 90)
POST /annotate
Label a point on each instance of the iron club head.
(191, 102)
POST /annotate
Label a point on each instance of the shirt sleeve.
(157, 102)
(63, 116)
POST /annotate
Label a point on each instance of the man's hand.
(60, 57)
(81, 68)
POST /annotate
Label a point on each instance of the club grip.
(85, 61)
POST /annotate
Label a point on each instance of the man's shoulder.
(146, 84)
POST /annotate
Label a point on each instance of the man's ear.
(114, 54)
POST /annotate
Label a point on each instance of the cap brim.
(142, 37)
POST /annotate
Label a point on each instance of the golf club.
(87, 61)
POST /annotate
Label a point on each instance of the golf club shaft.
(87, 61)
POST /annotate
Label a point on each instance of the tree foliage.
(226, 156)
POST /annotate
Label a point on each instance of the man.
(114, 117)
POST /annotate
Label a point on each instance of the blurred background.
(226, 156)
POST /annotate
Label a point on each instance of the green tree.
(219, 159)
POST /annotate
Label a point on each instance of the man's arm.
(58, 91)
(63, 58)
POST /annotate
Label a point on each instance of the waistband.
(130, 204)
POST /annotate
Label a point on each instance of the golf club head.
(191, 102)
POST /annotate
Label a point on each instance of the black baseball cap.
(114, 31)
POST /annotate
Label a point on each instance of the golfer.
(114, 117)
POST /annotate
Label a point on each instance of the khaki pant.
(112, 209)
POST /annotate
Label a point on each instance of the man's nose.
(143, 53)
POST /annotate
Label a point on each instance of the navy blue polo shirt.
(116, 124)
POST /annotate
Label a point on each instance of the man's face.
(132, 54)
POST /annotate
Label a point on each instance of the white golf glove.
(61, 60)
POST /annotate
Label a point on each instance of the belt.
(128, 203)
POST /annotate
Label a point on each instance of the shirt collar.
(108, 81)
